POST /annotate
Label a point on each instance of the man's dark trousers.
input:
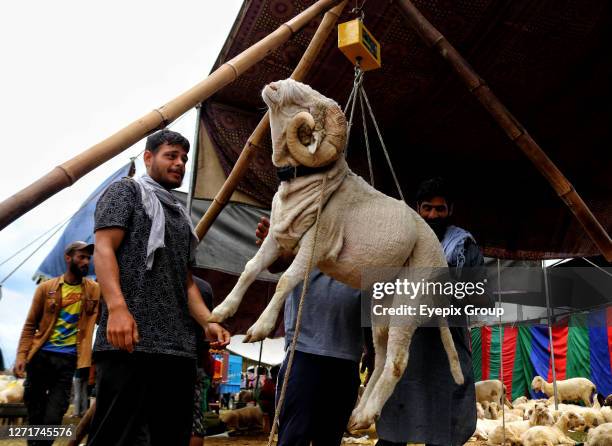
(320, 397)
(142, 399)
(47, 389)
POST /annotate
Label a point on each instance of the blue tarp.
(80, 227)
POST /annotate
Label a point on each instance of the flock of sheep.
(527, 422)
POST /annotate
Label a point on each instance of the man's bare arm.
(121, 328)
(198, 310)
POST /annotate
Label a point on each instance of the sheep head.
(571, 420)
(537, 383)
(307, 128)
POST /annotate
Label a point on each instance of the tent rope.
(298, 321)
(19, 251)
(34, 252)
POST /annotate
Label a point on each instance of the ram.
(360, 228)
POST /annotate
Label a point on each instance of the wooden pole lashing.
(242, 164)
(67, 173)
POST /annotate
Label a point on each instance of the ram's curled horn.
(328, 142)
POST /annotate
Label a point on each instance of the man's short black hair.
(165, 136)
(434, 187)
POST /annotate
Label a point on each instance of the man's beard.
(79, 272)
(439, 226)
(158, 176)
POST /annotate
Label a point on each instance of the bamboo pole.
(515, 131)
(242, 164)
(67, 173)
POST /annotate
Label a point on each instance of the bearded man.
(56, 338)
(427, 406)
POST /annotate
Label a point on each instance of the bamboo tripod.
(253, 143)
(69, 172)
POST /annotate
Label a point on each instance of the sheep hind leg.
(287, 282)
(398, 346)
(267, 254)
(380, 337)
(451, 353)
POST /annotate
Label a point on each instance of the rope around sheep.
(298, 321)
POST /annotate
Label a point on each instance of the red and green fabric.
(582, 346)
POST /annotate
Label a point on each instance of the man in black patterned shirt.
(145, 347)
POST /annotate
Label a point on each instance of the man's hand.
(217, 335)
(19, 368)
(121, 330)
(263, 227)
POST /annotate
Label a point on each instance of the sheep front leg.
(287, 282)
(267, 254)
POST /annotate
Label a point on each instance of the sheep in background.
(520, 400)
(592, 417)
(485, 427)
(480, 413)
(360, 227)
(573, 389)
(250, 417)
(556, 434)
(518, 411)
(492, 390)
(12, 392)
(600, 436)
(606, 411)
(539, 416)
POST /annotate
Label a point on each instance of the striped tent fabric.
(582, 346)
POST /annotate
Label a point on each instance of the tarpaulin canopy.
(80, 227)
(582, 346)
(547, 61)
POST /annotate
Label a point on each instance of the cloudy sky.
(73, 73)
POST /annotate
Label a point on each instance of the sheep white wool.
(512, 436)
(492, 390)
(573, 389)
(606, 412)
(485, 427)
(295, 204)
(553, 435)
(520, 400)
(600, 436)
(360, 228)
(539, 416)
(245, 417)
(12, 392)
(480, 413)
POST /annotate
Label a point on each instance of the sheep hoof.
(219, 314)
(360, 420)
(257, 332)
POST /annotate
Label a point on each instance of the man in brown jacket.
(57, 337)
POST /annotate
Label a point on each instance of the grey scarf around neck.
(153, 195)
